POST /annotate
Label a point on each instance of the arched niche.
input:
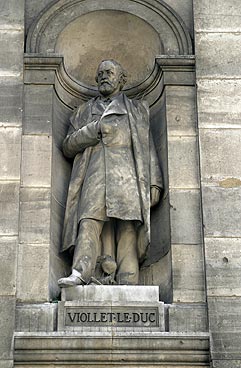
(158, 30)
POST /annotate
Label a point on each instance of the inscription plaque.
(114, 316)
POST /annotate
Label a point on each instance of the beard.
(106, 88)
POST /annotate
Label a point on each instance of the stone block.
(10, 148)
(7, 317)
(224, 319)
(185, 10)
(35, 215)
(219, 146)
(185, 216)
(222, 58)
(8, 265)
(11, 92)
(181, 121)
(36, 161)
(183, 162)
(188, 318)
(227, 363)
(221, 211)
(188, 273)
(223, 268)
(9, 208)
(217, 16)
(219, 103)
(6, 364)
(33, 273)
(38, 109)
(224, 314)
(32, 10)
(12, 14)
(36, 317)
(11, 56)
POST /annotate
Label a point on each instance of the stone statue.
(115, 180)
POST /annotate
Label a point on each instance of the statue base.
(102, 307)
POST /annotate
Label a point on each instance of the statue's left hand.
(155, 196)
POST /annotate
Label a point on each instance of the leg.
(127, 260)
(85, 253)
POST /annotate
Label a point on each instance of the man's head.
(111, 77)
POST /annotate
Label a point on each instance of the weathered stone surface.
(38, 109)
(184, 10)
(223, 268)
(35, 215)
(9, 204)
(11, 92)
(227, 363)
(219, 103)
(219, 147)
(103, 293)
(183, 162)
(188, 318)
(36, 317)
(8, 265)
(222, 58)
(185, 216)
(33, 273)
(12, 14)
(188, 273)
(36, 161)
(222, 211)
(11, 56)
(6, 364)
(224, 319)
(217, 16)
(7, 317)
(10, 148)
(181, 121)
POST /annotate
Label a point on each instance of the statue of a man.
(115, 180)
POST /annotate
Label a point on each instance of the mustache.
(105, 81)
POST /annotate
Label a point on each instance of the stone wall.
(11, 101)
(217, 39)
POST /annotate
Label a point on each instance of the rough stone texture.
(10, 148)
(222, 211)
(185, 216)
(181, 121)
(35, 215)
(11, 93)
(33, 273)
(7, 317)
(217, 16)
(227, 62)
(183, 162)
(12, 14)
(8, 263)
(188, 273)
(9, 205)
(36, 317)
(187, 318)
(226, 363)
(36, 161)
(38, 109)
(220, 147)
(223, 268)
(12, 43)
(219, 103)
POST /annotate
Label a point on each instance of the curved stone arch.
(173, 33)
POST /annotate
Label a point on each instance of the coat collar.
(117, 107)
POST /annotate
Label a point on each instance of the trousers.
(88, 246)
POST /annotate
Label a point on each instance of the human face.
(108, 78)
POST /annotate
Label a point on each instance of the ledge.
(117, 348)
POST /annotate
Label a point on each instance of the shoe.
(72, 280)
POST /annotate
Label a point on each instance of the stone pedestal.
(107, 308)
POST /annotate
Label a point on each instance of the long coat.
(145, 159)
